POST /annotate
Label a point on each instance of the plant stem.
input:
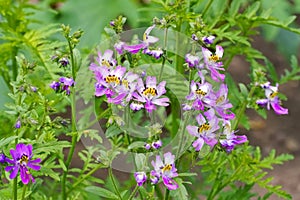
(113, 182)
(24, 192)
(133, 193)
(14, 63)
(167, 194)
(207, 7)
(15, 189)
(165, 54)
(242, 108)
(74, 129)
(84, 177)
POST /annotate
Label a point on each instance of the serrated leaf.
(101, 192)
(5, 141)
(243, 89)
(113, 130)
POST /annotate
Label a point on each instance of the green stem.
(24, 192)
(14, 63)
(84, 177)
(74, 129)
(167, 194)
(133, 193)
(165, 54)
(207, 7)
(15, 189)
(158, 192)
(113, 182)
(242, 108)
(178, 58)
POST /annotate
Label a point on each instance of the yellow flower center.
(200, 92)
(150, 91)
(168, 167)
(204, 127)
(220, 99)
(106, 63)
(23, 159)
(214, 58)
(112, 79)
(273, 94)
(125, 83)
(145, 37)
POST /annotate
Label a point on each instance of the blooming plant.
(157, 103)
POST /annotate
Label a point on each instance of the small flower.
(166, 170)
(272, 99)
(208, 39)
(194, 37)
(147, 146)
(66, 83)
(22, 160)
(154, 53)
(222, 105)
(147, 40)
(55, 85)
(213, 63)
(150, 94)
(18, 124)
(157, 144)
(106, 60)
(3, 158)
(192, 60)
(205, 132)
(200, 95)
(119, 47)
(33, 89)
(140, 178)
(231, 139)
(63, 61)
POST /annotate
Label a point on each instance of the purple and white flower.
(66, 83)
(166, 170)
(272, 99)
(22, 160)
(200, 96)
(208, 39)
(213, 63)
(192, 60)
(147, 40)
(140, 178)
(222, 105)
(231, 139)
(149, 95)
(157, 144)
(105, 60)
(205, 132)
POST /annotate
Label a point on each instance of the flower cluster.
(63, 85)
(21, 161)
(272, 99)
(124, 87)
(163, 169)
(213, 105)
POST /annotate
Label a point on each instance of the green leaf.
(181, 192)
(101, 192)
(5, 141)
(4, 90)
(113, 130)
(252, 9)
(137, 144)
(243, 89)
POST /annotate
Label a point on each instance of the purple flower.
(140, 178)
(147, 40)
(147, 146)
(166, 170)
(200, 96)
(222, 104)
(66, 83)
(194, 37)
(272, 99)
(18, 124)
(212, 62)
(106, 60)
(231, 139)
(205, 132)
(55, 85)
(157, 144)
(149, 94)
(208, 39)
(3, 158)
(22, 160)
(154, 53)
(119, 47)
(63, 61)
(108, 80)
(192, 60)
